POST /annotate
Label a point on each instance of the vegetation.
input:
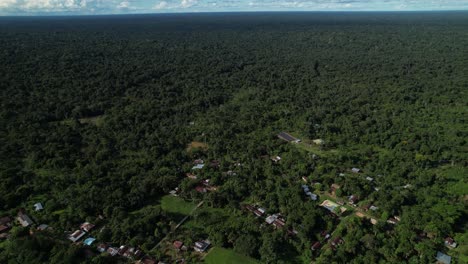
(101, 117)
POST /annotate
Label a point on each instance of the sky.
(90, 7)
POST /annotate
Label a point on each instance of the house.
(202, 245)
(359, 214)
(449, 242)
(304, 178)
(276, 159)
(373, 208)
(42, 227)
(356, 170)
(198, 167)
(325, 234)
(392, 221)
(122, 250)
(287, 137)
(178, 244)
(112, 251)
(200, 189)
(315, 246)
(5, 224)
(191, 176)
(89, 241)
(318, 141)
(38, 207)
(373, 221)
(24, 219)
(4, 228)
(215, 163)
(5, 220)
(279, 223)
(369, 178)
(198, 161)
(86, 226)
(102, 247)
(352, 199)
(341, 174)
(313, 197)
(337, 241)
(146, 260)
(271, 218)
(443, 258)
(173, 193)
(77, 235)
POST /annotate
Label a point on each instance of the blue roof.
(89, 241)
(441, 257)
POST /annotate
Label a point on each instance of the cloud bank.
(80, 7)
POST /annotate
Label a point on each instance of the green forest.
(176, 138)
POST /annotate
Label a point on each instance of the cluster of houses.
(5, 225)
(276, 220)
(325, 236)
(84, 229)
(199, 246)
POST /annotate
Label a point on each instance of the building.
(112, 251)
(356, 170)
(276, 159)
(24, 219)
(449, 242)
(178, 244)
(315, 246)
(392, 221)
(271, 218)
(202, 245)
(86, 226)
(77, 235)
(198, 167)
(443, 258)
(318, 141)
(42, 227)
(38, 207)
(353, 199)
(102, 247)
(287, 137)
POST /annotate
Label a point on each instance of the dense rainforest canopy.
(101, 117)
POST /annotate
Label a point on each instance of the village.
(329, 198)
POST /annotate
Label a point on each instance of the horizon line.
(233, 12)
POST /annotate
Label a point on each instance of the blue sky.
(89, 7)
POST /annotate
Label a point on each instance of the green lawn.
(227, 256)
(176, 205)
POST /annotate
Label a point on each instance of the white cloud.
(188, 3)
(7, 3)
(160, 5)
(124, 5)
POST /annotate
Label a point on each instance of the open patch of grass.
(196, 145)
(227, 256)
(176, 205)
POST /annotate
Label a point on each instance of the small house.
(373, 221)
(276, 159)
(86, 226)
(38, 207)
(191, 176)
(279, 223)
(392, 221)
(198, 167)
(353, 199)
(318, 141)
(77, 235)
(287, 137)
(373, 208)
(42, 227)
(102, 247)
(337, 241)
(449, 242)
(443, 258)
(24, 219)
(355, 170)
(198, 161)
(271, 218)
(112, 251)
(315, 246)
(369, 178)
(178, 244)
(202, 245)
(325, 234)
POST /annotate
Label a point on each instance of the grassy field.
(227, 256)
(176, 205)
